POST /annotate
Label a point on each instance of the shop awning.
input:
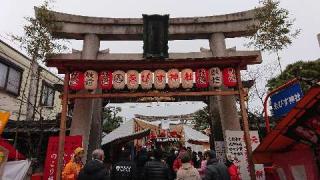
(278, 140)
(14, 154)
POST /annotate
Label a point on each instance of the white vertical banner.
(165, 124)
(235, 145)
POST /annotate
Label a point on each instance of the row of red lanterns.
(107, 80)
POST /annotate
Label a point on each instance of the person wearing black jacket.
(156, 169)
(94, 169)
(125, 169)
(215, 169)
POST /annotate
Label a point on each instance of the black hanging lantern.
(155, 36)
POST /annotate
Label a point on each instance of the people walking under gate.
(156, 169)
(73, 167)
(232, 168)
(94, 169)
(215, 169)
(187, 171)
(125, 169)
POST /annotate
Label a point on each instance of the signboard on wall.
(71, 143)
(285, 100)
(235, 145)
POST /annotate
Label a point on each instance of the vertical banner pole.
(245, 125)
(62, 132)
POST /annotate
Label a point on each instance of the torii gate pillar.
(87, 112)
(227, 104)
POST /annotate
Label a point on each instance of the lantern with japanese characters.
(118, 79)
(159, 79)
(173, 78)
(132, 79)
(215, 77)
(76, 81)
(90, 80)
(105, 80)
(187, 78)
(229, 77)
(202, 78)
(146, 79)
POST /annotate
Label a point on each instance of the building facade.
(15, 82)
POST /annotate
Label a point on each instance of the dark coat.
(93, 170)
(124, 170)
(216, 171)
(156, 170)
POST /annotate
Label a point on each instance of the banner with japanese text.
(71, 143)
(283, 101)
(235, 145)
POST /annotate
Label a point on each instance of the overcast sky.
(306, 13)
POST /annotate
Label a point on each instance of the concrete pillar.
(227, 104)
(84, 110)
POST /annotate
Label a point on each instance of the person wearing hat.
(215, 169)
(232, 168)
(73, 167)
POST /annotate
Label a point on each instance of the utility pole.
(319, 38)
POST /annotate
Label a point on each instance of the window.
(10, 77)
(47, 96)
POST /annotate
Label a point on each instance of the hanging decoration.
(118, 79)
(132, 79)
(146, 79)
(159, 79)
(215, 77)
(90, 80)
(105, 80)
(76, 81)
(173, 78)
(229, 77)
(202, 78)
(187, 78)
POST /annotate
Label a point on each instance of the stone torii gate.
(92, 30)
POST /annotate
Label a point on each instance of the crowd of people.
(152, 165)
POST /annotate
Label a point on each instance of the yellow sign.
(4, 117)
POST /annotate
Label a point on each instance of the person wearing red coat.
(232, 168)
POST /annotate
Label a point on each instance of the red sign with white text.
(71, 143)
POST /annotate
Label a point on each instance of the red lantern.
(229, 77)
(76, 82)
(90, 80)
(105, 80)
(187, 78)
(202, 78)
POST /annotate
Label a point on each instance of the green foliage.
(308, 73)
(37, 39)
(111, 120)
(275, 30)
(201, 119)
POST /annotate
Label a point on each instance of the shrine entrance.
(91, 76)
